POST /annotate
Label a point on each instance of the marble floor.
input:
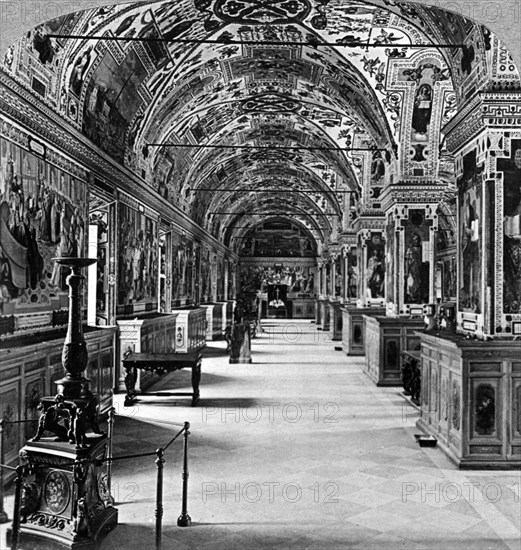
(300, 450)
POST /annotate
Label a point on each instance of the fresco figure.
(470, 252)
(375, 274)
(413, 270)
(422, 111)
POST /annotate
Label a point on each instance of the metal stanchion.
(159, 496)
(3, 514)
(184, 519)
(110, 431)
(17, 502)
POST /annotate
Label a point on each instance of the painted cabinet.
(385, 338)
(471, 399)
(353, 328)
(154, 333)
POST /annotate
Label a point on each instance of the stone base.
(42, 539)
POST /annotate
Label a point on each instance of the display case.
(303, 308)
(353, 328)
(385, 338)
(335, 321)
(190, 332)
(155, 333)
(214, 321)
(471, 398)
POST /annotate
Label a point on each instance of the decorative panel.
(138, 274)
(42, 216)
(485, 414)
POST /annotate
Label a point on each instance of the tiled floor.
(300, 450)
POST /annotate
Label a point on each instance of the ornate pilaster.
(371, 244)
(486, 141)
(412, 222)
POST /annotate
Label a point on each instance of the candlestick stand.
(61, 501)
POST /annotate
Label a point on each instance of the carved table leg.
(196, 379)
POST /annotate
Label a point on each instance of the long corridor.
(300, 450)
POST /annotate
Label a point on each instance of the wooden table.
(161, 363)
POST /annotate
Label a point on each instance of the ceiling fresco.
(235, 109)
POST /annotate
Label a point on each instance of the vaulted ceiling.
(237, 110)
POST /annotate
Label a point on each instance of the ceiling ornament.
(261, 12)
(270, 103)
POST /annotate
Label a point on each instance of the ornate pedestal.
(353, 328)
(386, 337)
(471, 398)
(65, 501)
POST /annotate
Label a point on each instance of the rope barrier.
(184, 519)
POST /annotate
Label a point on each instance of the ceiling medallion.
(260, 12)
(270, 103)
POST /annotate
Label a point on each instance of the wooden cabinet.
(471, 399)
(190, 332)
(335, 320)
(385, 338)
(353, 328)
(154, 333)
(214, 321)
(303, 308)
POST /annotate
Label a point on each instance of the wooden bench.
(161, 363)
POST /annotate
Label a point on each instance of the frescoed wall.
(138, 260)
(375, 271)
(352, 273)
(206, 273)
(42, 216)
(390, 261)
(111, 102)
(182, 270)
(416, 258)
(511, 169)
(470, 235)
